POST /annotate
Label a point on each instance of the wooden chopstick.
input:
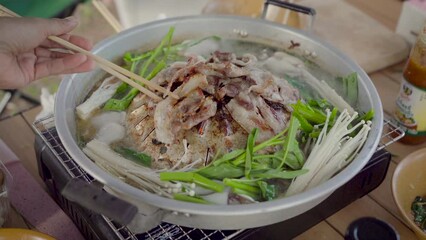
(6, 12)
(100, 6)
(113, 69)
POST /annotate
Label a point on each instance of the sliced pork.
(221, 100)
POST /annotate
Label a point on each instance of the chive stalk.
(193, 178)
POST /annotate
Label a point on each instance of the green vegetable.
(235, 183)
(133, 155)
(193, 178)
(275, 173)
(304, 124)
(276, 140)
(249, 151)
(321, 104)
(254, 196)
(225, 170)
(229, 156)
(418, 207)
(269, 191)
(290, 140)
(350, 86)
(166, 40)
(186, 198)
(120, 102)
(310, 114)
(368, 116)
(333, 116)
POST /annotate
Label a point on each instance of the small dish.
(23, 234)
(409, 181)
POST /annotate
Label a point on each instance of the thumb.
(58, 27)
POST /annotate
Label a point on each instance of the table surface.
(16, 132)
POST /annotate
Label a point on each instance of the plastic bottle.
(410, 112)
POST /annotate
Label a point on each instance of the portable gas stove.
(57, 168)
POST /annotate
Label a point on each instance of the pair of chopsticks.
(113, 69)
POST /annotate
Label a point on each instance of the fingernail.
(72, 20)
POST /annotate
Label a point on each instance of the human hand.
(26, 52)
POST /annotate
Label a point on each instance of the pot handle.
(93, 197)
(293, 7)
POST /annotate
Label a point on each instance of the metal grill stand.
(57, 168)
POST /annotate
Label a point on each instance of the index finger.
(74, 39)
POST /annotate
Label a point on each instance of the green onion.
(225, 170)
(350, 84)
(304, 124)
(276, 140)
(368, 116)
(269, 191)
(166, 40)
(229, 156)
(133, 155)
(249, 151)
(186, 198)
(310, 114)
(193, 178)
(252, 195)
(239, 185)
(276, 173)
(290, 139)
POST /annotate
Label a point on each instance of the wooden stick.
(130, 82)
(108, 66)
(5, 12)
(111, 65)
(100, 6)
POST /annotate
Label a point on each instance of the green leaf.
(350, 84)
(166, 40)
(418, 207)
(269, 191)
(236, 184)
(249, 151)
(186, 198)
(312, 115)
(304, 124)
(321, 104)
(133, 155)
(290, 139)
(368, 116)
(160, 66)
(291, 161)
(275, 173)
(254, 196)
(127, 57)
(224, 170)
(121, 104)
(229, 156)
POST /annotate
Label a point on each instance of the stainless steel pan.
(74, 88)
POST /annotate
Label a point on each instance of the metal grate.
(45, 128)
(391, 133)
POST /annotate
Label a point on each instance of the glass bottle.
(410, 112)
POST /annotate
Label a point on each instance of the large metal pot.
(74, 88)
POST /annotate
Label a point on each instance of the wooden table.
(16, 132)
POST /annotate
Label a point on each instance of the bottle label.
(410, 113)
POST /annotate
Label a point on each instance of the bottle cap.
(369, 228)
